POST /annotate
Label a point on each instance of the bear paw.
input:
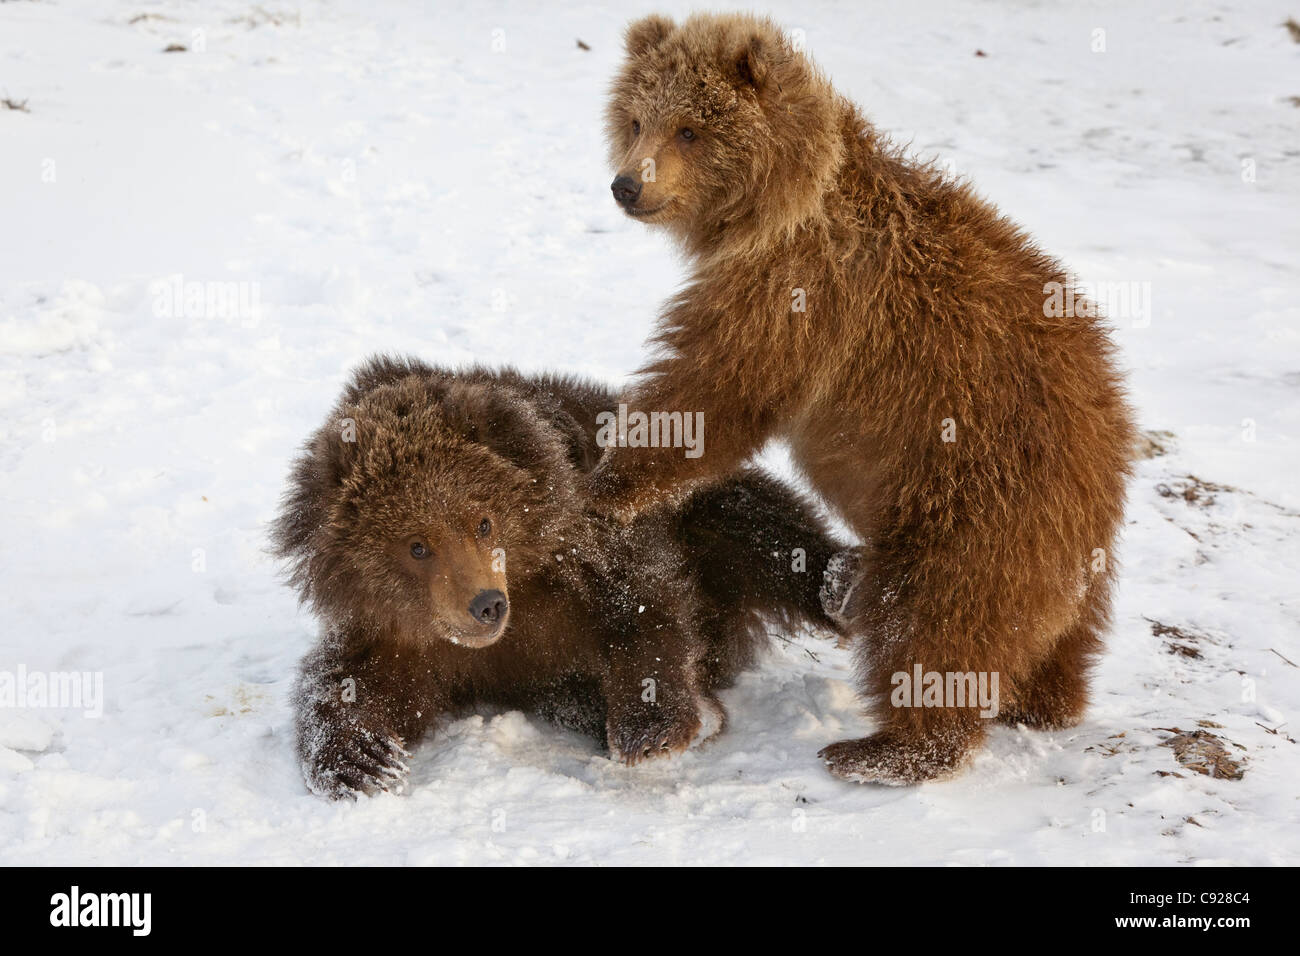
(843, 573)
(661, 732)
(362, 762)
(881, 759)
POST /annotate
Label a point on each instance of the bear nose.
(626, 191)
(488, 607)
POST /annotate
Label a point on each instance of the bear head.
(412, 510)
(720, 129)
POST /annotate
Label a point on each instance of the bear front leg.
(701, 426)
(654, 706)
(342, 757)
(353, 728)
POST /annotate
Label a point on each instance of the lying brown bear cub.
(436, 526)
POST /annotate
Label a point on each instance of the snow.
(430, 178)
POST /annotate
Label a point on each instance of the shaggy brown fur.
(434, 525)
(980, 446)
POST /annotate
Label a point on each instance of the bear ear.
(751, 63)
(498, 419)
(335, 448)
(647, 33)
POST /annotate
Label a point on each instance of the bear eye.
(418, 550)
(687, 133)
(484, 528)
(636, 128)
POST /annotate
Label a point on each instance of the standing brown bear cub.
(435, 525)
(890, 326)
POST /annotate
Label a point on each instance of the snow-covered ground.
(429, 178)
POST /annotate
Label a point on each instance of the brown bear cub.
(890, 326)
(435, 525)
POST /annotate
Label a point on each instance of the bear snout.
(626, 191)
(489, 608)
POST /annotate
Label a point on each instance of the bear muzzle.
(626, 191)
(488, 613)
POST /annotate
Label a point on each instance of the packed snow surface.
(198, 245)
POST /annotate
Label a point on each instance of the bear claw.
(375, 763)
(657, 737)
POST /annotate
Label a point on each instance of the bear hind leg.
(1055, 694)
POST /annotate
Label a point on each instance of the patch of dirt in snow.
(1206, 753)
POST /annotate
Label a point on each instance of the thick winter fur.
(435, 526)
(979, 445)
